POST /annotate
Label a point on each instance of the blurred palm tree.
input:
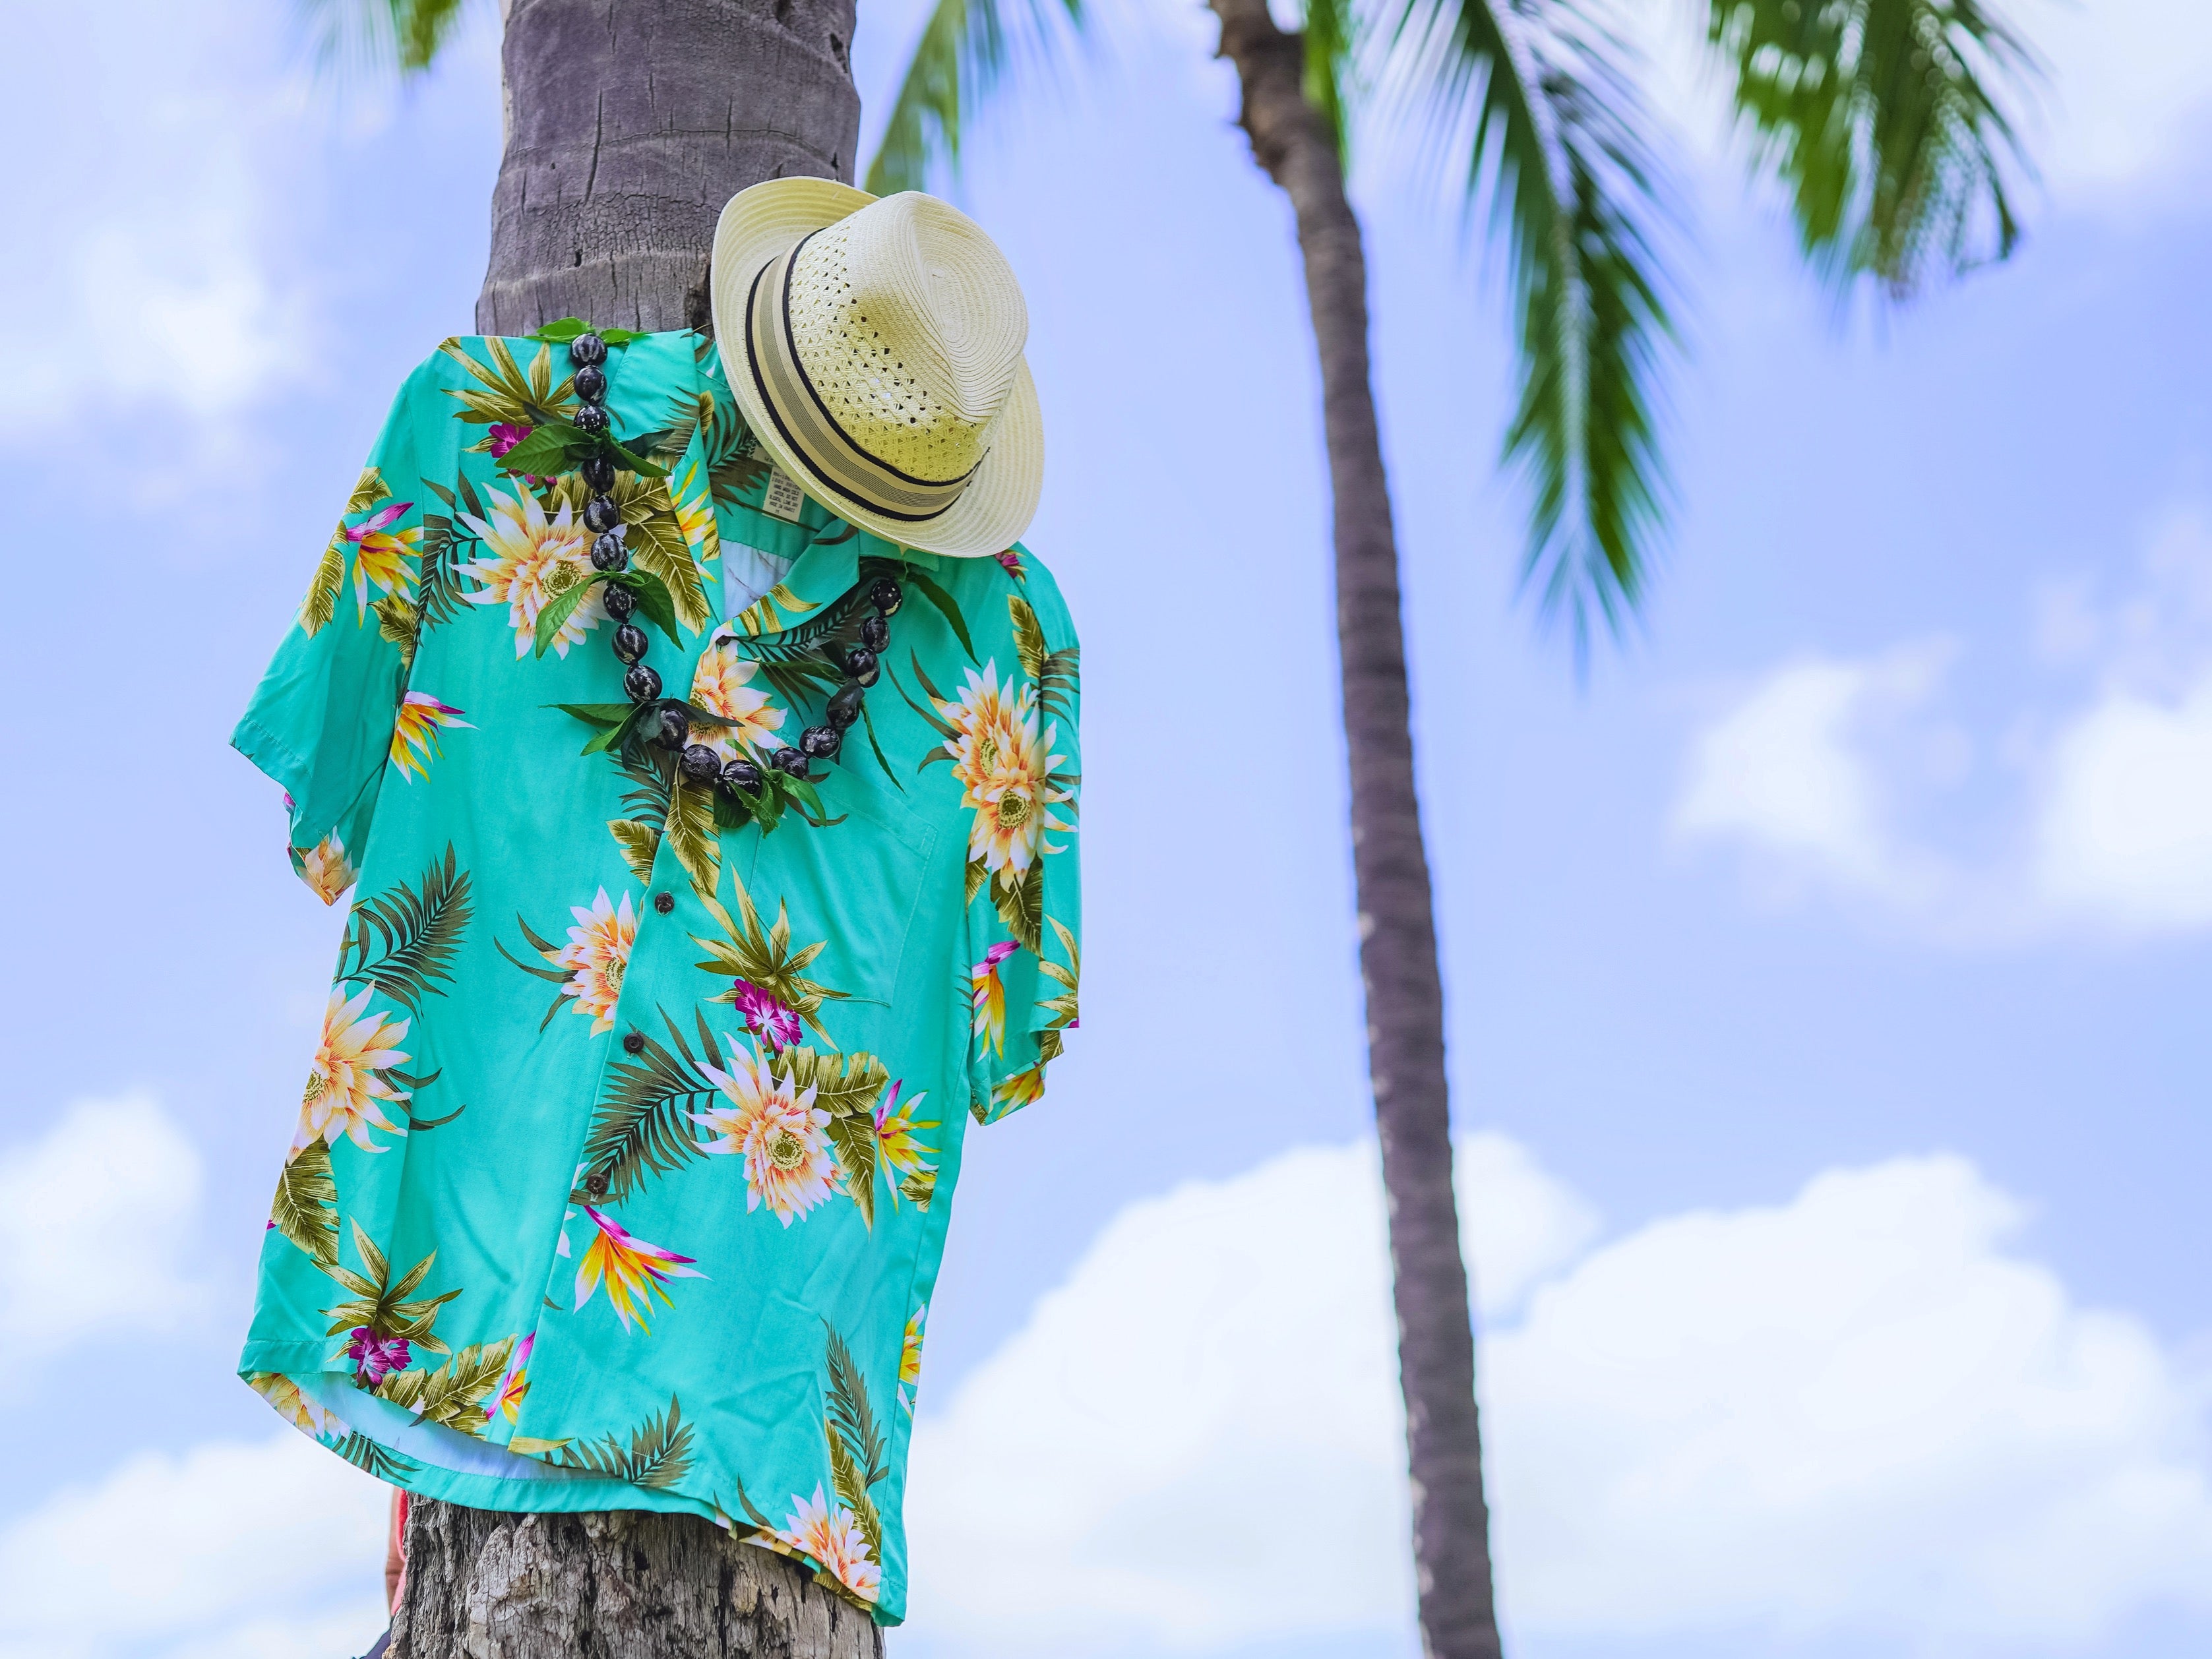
(1883, 122)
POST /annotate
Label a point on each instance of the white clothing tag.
(783, 500)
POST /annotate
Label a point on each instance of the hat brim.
(767, 219)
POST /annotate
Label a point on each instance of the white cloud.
(1212, 1386)
(1813, 770)
(269, 1550)
(150, 281)
(1785, 771)
(2125, 833)
(95, 1226)
(1857, 1413)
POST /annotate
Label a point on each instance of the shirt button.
(597, 1185)
(633, 1042)
(664, 902)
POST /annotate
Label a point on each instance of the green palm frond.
(304, 1210)
(964, 54)
(1537, 104)
(383, 1306)
(365, 1455)
(379, 36)
(658, 1452)
(1881, 119)
(403, 943)
(454, 1394)
(850, 1414)
(642, 1124)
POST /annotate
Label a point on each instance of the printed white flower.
(346, 1093)
(597, 955)
(780, 1133)
(830, 1533)
(533, 561)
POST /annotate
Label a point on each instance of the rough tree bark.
(624, 1585)
(628, 124)
(1397, 925)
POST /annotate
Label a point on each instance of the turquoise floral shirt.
(623, 1166)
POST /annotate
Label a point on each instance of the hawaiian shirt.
(622, 1171)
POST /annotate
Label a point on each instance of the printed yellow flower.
(910, 1376)
(326, 868)
(695, 512)
(415, 733)
(990, 996)
(1004, 764)
(1021, 1089)
(383, 556)
(531, 560)
(346, 1090)
(830, 1533)
(597, 955)
(635, 1270)
(507, 1401)
(781, 1134)
(898, 1134)
(293, 1406)
(723, 684)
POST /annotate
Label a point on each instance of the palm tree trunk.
(622, 1585)
(1397, 925)
(628, 124)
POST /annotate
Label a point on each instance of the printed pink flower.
(635, 1271)
(375, 1357)
(768, 1016)
(505, 436)
(1012, 560)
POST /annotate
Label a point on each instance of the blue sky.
(1827, 973)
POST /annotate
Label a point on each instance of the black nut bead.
(630, 641)
(587, 351)
(591, 383)
(701, 764)
(860, 664)
(675, 721)
(789, 760)
(820, 742)
(876, 633)
(845, 708)
(885, 596)
(743, 774)
(592, 417)
(601, 514)
(619, 601)
(608, 553)
(642, 683)
(599, 471)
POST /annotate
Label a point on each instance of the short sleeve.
(1025, 905)
(320, 722)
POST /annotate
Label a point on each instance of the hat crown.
(909, 325)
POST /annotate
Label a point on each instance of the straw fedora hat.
(875, 347)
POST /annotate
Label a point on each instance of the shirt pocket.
(856, 886)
